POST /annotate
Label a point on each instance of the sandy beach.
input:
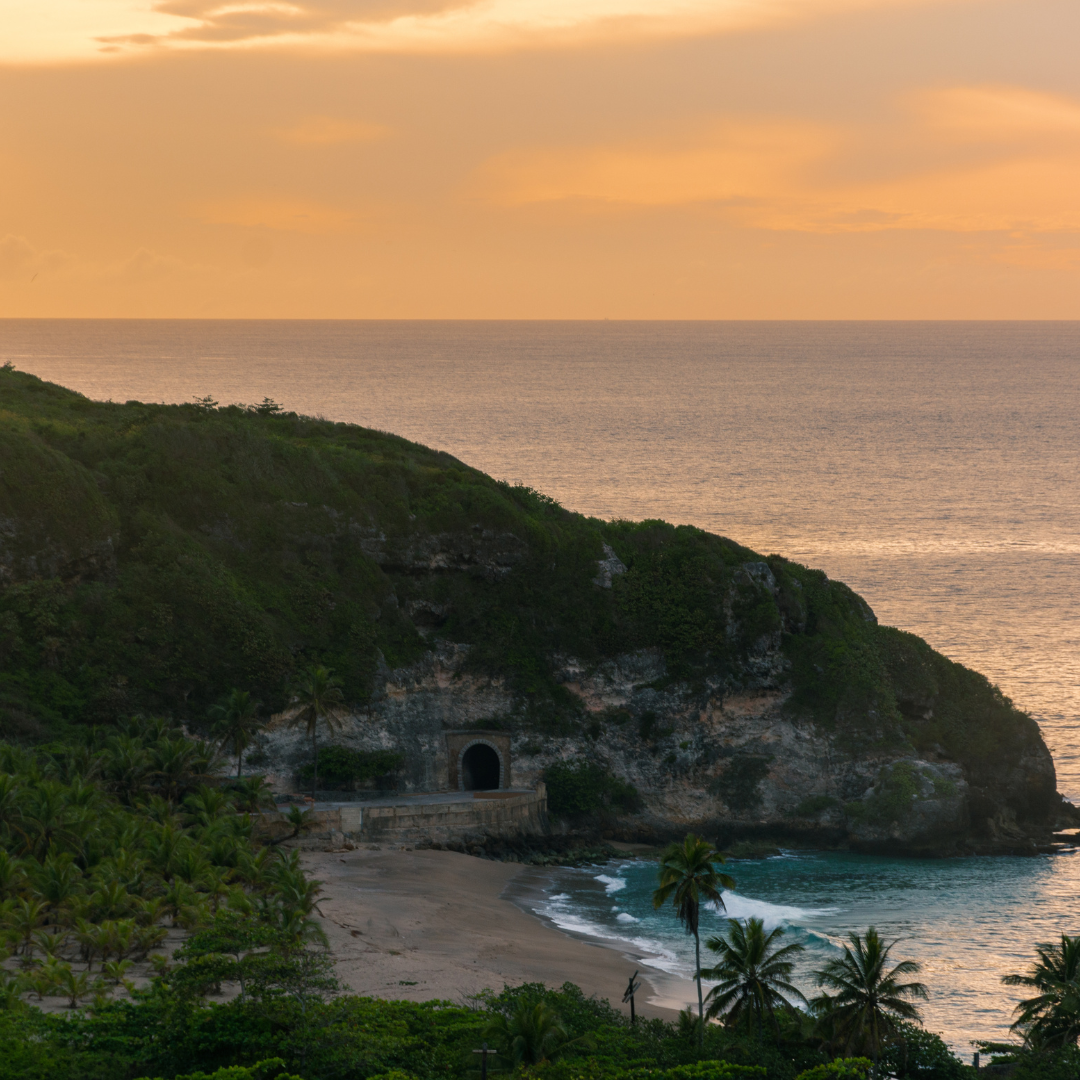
(426, 925)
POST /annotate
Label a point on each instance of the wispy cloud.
(21, 261)
(997, 113)
(730, 162)
(786, 175)
(112, 27)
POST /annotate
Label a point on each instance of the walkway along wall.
(426, 819)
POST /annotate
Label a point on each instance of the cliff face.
(738, 766)
(152, 558)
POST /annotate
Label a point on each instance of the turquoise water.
(967, 921)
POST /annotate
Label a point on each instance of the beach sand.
(424, 925)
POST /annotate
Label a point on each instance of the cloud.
(286, 215)
(734, 160)
(21, 261)
(997, 113)
(789, 175)
(108, 28)
(327, 131)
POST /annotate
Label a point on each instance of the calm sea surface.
(934, 467)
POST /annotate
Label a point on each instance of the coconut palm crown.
(753, 975)
(531, 1034)
(1051, 1019)
(236, 722)
(689, 878)
(869, 999)
(317, 698)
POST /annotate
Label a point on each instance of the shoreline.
(438, 925)
(669, 993)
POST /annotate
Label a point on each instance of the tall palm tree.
(869, 997)
(1052, 1018)
(317, 697)
(753, 975)
(689, 878)
(236, 722)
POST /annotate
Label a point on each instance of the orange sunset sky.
(540, 158)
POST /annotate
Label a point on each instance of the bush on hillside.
(341, 769)
(576, 791)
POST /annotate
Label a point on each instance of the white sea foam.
(745, 907)
(654, 954)
(625, 917)
(611, 884)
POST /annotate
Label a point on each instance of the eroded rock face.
(730, 766)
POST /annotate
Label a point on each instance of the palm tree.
(688, 876)
(869, 998)
(23, 920)
(236, 721)
(173, 763)
(300, 820)
(534, 1033)
(125, 765)
(71, 985)
(317, 697)
(753, 975)
(206, 805)
(1051, 1019)
(251, 794)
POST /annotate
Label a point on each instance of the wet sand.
(425, 925)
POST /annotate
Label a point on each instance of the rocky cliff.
(154, 557)
(737, 765)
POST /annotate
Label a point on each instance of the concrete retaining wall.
(487, 813)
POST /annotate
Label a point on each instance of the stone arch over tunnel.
(461, 741)
(480, 767)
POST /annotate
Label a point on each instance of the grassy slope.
(155, 556)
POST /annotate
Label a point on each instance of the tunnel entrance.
(480, 768)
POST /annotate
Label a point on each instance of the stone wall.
(488, 813)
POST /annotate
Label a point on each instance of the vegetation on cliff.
(154, 557)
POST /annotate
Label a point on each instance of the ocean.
(934, 467)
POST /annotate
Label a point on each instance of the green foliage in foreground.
(170, 1034)
(154, 557)
(261, 1070)
(106, 844)
(841, 1069)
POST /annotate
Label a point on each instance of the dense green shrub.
(273, 1069)
(840, 1069)
(583, 789)
(1052, 1065)
(340, 768)
(740, 781)
(921, 1055)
